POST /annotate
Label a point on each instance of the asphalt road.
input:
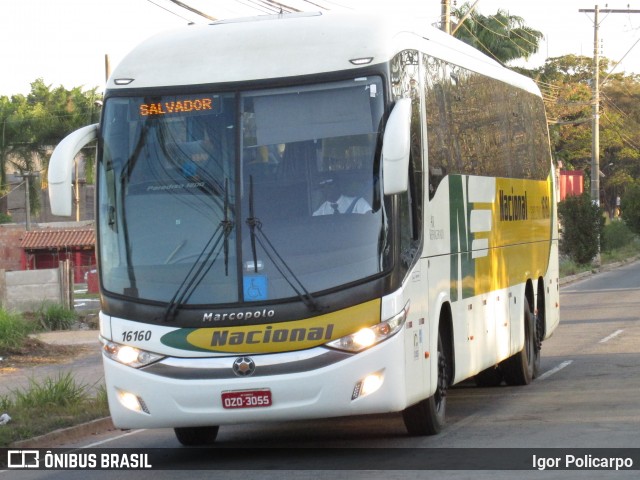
(587, 397)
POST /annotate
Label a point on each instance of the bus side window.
(408, 83)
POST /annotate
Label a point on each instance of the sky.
(65, 41)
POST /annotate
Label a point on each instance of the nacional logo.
(274, 337)
(223, 337)
(513, 207)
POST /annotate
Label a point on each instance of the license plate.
(247, 398)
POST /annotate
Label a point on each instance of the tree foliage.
(566, 83)
(630, 207)
(502, 36)
(31, 125)
(582, 225)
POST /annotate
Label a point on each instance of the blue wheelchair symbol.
(255, 288)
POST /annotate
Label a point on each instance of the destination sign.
(177, 106)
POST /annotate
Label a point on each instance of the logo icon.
(244, 367)
(23, 459)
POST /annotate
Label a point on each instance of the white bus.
(316, 215)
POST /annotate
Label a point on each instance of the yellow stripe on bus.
(286, 336)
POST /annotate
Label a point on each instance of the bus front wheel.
(194, 436)
(427, 417)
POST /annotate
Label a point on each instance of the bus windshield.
(225, 198)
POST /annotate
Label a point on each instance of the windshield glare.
(226, 198)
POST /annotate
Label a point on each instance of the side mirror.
(61, 168)
(396, 148)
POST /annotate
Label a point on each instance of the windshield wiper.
(204, 262)
(257, 234)
(227, 226)
(125, 175)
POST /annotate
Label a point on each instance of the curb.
(574, 278)
(602, 268)
(66, 435)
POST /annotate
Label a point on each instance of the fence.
(27, 290)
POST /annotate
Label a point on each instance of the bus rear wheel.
(194, 436)
(522, 368)
(427, 417)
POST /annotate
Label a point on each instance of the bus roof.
(290, 45)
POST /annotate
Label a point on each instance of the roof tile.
(56, 239)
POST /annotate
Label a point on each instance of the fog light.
(368, 385)
(371, 383)
(132, 402)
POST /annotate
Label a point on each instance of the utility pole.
(446, 16)
(26, 176)
(466, 15)
(595, 142)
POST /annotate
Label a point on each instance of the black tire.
(537, 345)
(427, 417)
(540, 321)
(523, 367)
(491, 377)
(194, 436)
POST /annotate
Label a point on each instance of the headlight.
(128, 355)
(369, 336)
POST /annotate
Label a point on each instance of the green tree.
(630, 207)
(566, 83)
(570, 69)
(619, 137)
(502, 36)
(582, 225)
(32, 125)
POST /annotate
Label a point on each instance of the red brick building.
(45, 248)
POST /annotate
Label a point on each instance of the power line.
(254, 5)
(13, 189)
(283, 6)
(619, 61)
(495, 17)
(316, 4)
(487, 50)
(268, 5)
(170, 11)
(193, 10)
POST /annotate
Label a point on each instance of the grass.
(14, 331)
(621, 254)
(15, 328)
(622, 247)
(50, 404)
(54, 316)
